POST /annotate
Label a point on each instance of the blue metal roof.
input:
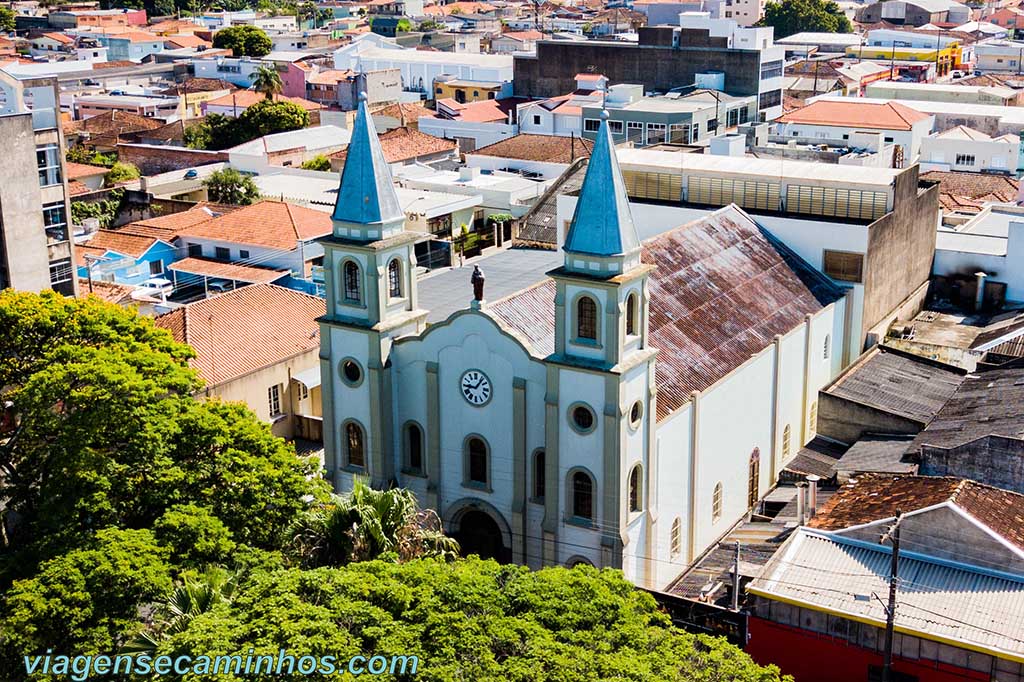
(602, 224)
(367, 193)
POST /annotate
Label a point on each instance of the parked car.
(192, 174)
(157, 287)
(219, 286)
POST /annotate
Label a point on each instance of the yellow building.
(946, 59)
(467, 91)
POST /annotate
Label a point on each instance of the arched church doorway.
(477, 532)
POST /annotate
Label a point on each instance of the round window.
(582, 418)
(635, 413)
(351, 372)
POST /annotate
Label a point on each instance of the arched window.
(353, 288)
(631, 321)
(754, 479)
(828, 346)
(476, 461)
(586, 319)
(676, 537)
(582, 496)
(635, 489)
(413, 447)
(787, 434)
(577, 560)
(355, 445)
(395, 278)
(538, 475)
(716, 503)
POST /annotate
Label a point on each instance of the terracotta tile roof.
(246, 98)
(116, 64)
(222, 270)
(59, 37)
(523, 36)
(331, 77)
(411, 110)
(721, 290)
(173, 131)
(188, 40)
(107, 291)
(166, 227)
(873, 497)
(405, 144)
(137, 37)
(73, 171)
(173, 25)
(462, 7)
(549, 148)
(76, 188)
(271, 224)
(246, 330)
(967, 192)
(887, 116)
(121, 242)
(113, 122)
(486, 111)
(83, 250)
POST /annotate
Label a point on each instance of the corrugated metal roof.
(874, 454)
(722, 289)
(898, 383)
(937, 599)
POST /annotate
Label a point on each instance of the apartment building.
(35, 235)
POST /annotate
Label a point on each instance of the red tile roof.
(74, 171)
(271, 224)
(246, 330)
(887, 116)
(168, 226)
(107, 291)
(411, 110)
(189, 40)
(331, 77)
(720, 292)
(967, 192)
(873, 497)
(121, 242)
(548, 148)
(246, 98)
(222, 270)
(59, 37)
(523, 36)
(112, 122)
(405, 144)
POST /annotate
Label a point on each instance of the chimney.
(979, 296)
(812, 495)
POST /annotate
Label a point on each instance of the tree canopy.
(243, 40)
(267, 80)
(317, 163)
(6, 19)
(266, 117)
(228, 186)
(120, 172)
(796, 16)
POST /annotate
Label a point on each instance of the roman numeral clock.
(475, 387)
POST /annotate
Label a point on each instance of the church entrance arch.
(480, 529)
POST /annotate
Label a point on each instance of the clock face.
(475, 387)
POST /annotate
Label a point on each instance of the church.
(625, 412)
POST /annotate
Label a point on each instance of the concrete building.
(942, 92)
(472, 125)
(131, 46)
(165, 107)
(807, 42)
(341, 89)
(965, 149)
(991, 242)
(36, 249)
(237, 70)
(516, 41)
(463, 91)
(563, 115)
(569, 423)
(915, 12)
(835, 120)
(702, 52)
(999, 56)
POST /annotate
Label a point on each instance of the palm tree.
(369, 524)
(188, 600)
(267, 80)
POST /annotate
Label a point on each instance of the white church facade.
(626, 412)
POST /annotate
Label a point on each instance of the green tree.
(267, 117)
(467, 620)
(243, 40)
(267, 80)
(403, 25)
(370, 524)
(120, 172)
(317, 163)
(108, 434)
(228, 186)
(84, 601)
(195, 536)
(796, 16)
(6, 19)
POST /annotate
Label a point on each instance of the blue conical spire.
(602, 224)
(367, 193)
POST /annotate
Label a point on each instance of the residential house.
(290, 148)
(269, 234)
(122, 258)
(1010, 18)
(341, 89)
(83, 178)
(534, 156)
(990, 245)
(616, 20)
(403, 146)
(132, 46)
(915, 12)
(999, 55)
(966, 149)
(185, 40)
(515, 41)
(49, 44)
(237, 70)
(194, 91)
(163, 107)
(961, 589)
(805, 44)
(447, 87)
(965, 194)
(404, 115)
(474, 124)
(563, 115)
(942, 92)
(234, 103)
(835, 120)
(258, 345)
(103, 131)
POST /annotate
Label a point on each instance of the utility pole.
(892, 534)
(736, 579)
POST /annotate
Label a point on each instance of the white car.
(157, 287)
